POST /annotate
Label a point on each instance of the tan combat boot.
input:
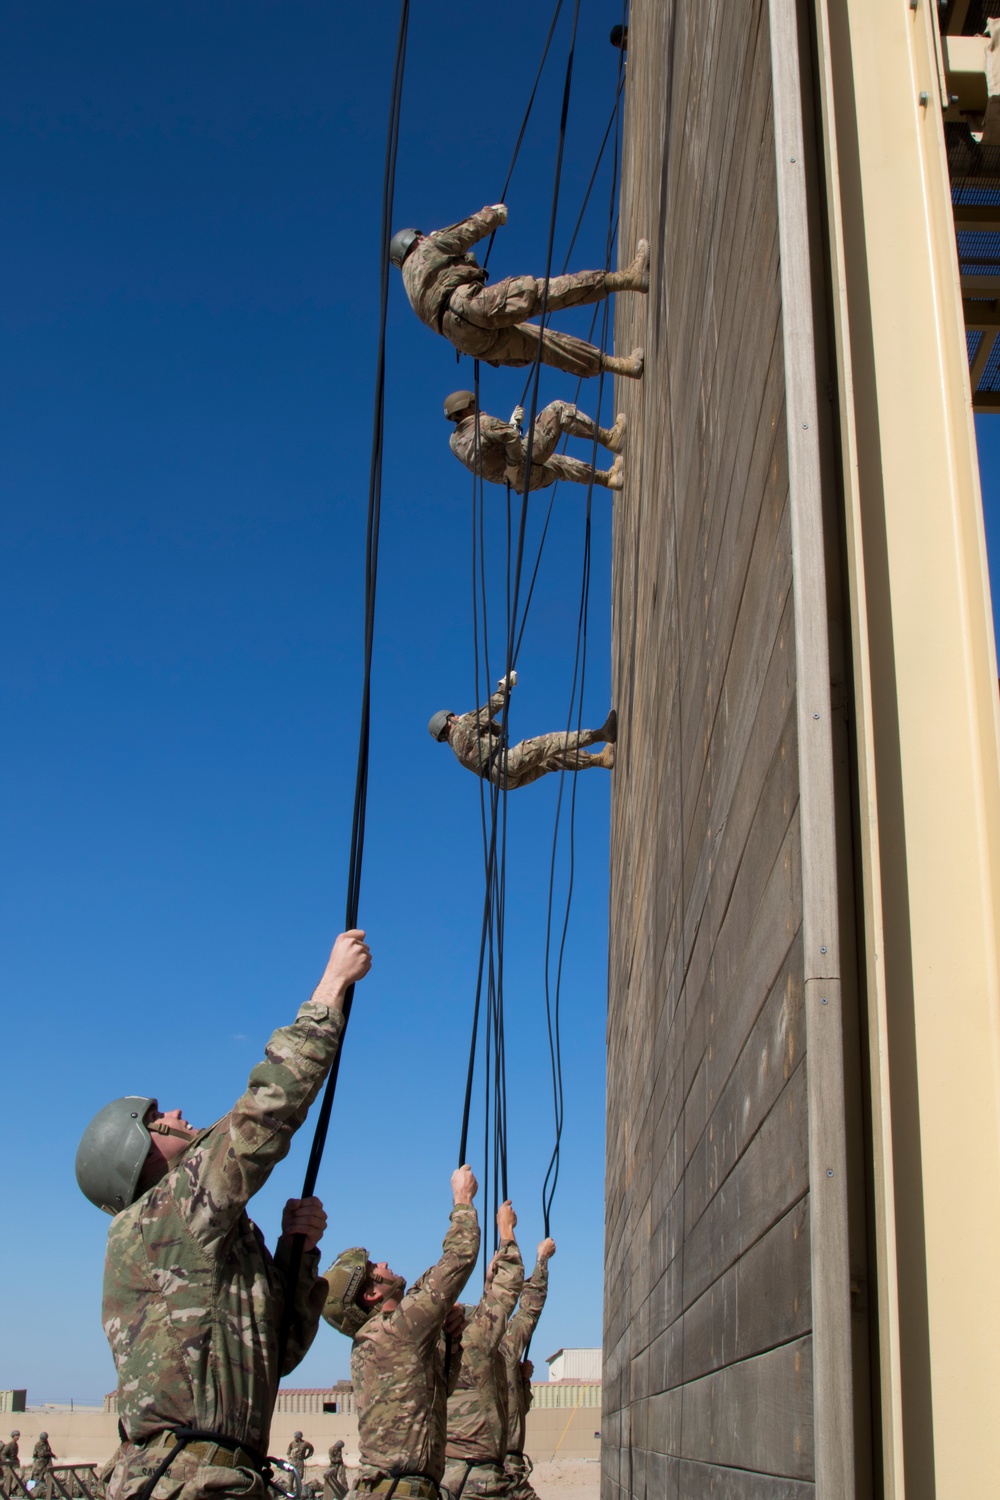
(629, 365)
(634, 278)
(605, 758)
(614, 437)
(613, 478)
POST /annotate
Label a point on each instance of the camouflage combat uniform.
(192, 1298)
(42, 1457)
(477, 1405)
(447, 290)
(475, 739)
(502, 454)
(10, 1454)
(398, 1368)
(519, 1330)
(335, 1481)
(299, 1452)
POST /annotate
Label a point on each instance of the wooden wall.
(711, 1364)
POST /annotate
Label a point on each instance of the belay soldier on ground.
(477, 1402)
(398, 1360)
(447, 289)
(192, 1298)
(520, 1370)
(477, 741)
(499, 453)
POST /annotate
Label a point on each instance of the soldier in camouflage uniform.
(10, 1453)
(193, 1301)
(399, 1358)
(299, 1452)
(335, 1477)
(476, 740)
(41, 1465)
(477, 1405)
(447, 290)
(498, 452)
(520, 1370)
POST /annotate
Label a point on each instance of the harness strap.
(186, 1435)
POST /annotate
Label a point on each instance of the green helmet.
(345, 1280)
(112, 1151)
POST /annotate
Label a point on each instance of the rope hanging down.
(491, 941)
(371, 577)
(494, 828)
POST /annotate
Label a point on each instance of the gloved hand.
(504, 682)
(500, 209)
(517, 418)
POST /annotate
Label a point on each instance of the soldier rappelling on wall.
(476, 738)
(447, 289)
(497, 451)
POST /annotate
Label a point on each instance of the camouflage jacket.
(474, 736)
(440, 261)
(192, 1298)
(10, 1453)
(477, 1405)
(42, 1453)
(519, 1330)
(398, 1364)
(300, 1451)
(499, 447)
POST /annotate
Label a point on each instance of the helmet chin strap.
(160, 1127)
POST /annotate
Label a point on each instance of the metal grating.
(973, 338)
(990, 378)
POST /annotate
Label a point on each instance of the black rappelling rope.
(552, 1006)
(495, 841)
(371, 576)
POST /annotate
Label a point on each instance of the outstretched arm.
(524, 1322)
(422, 1312)
(458, 238)
(213, 1182)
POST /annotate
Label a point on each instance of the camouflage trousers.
(186, 1479)
(517, 1467)
(526, 761)
(487, 454)
(490, 322)
(473, 1482)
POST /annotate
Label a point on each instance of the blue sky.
(191, 204)
(191, 224)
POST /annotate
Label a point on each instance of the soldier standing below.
(477, 1403)
(447, 289)
(335, 1477)
(299, 1453)
(498, 452)
(398, 1361)
(10, 1453)
(192, 1298)
(520, 1370)
(475, 738)
(41, 1466)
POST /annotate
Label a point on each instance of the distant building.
(13, 1400)
(302, 1401)
(575, 1364)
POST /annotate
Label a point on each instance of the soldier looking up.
(475, 739)
(520, 1370)
(447, 289)
(477, 1402)
(398, 1360)
(193, 1301)
(499, 453)
(299, 1453)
